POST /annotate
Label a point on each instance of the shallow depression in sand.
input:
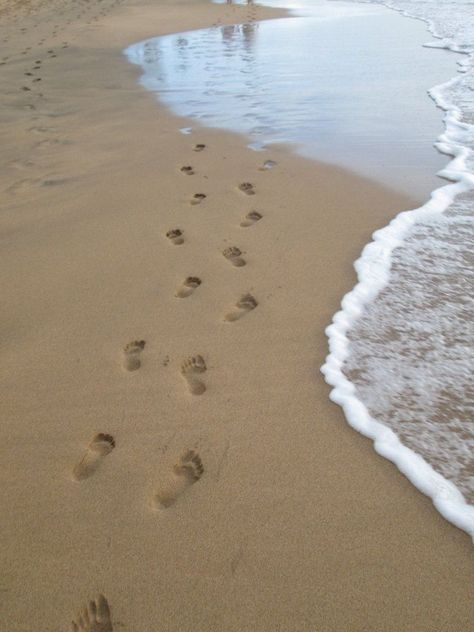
(347, 83)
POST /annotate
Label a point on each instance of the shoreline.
(296, 521)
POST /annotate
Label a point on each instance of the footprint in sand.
(175, 236)
(190, 369)
(247, 188)
(251, 218)
(95, 617)
(132, 352)
(199, 147)
(101, 445)
(188, 287)
(244, 305)
(233, 254)
(198, 198)
(187, 471)
(187, 170)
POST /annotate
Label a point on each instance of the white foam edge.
(373, 270)
(373, 273)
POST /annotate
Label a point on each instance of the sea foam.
(391, 383)
(375, 272)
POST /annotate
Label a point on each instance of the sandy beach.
(167, 439)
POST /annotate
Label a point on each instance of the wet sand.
(167, 441)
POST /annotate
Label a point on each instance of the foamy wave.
(374, 273)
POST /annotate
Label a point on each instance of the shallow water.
(340, 82)
(401, 347)
(347, 84)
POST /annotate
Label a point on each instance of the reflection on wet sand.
(340, 86)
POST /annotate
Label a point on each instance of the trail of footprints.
(188, 468)
(19, 21)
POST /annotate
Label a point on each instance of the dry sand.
(220, 493)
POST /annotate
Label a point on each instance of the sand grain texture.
(296, 524)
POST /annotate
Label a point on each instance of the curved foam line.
(373, 273)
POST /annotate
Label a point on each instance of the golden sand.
(168, 448)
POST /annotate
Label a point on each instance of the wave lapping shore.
(401, 348)
(169, 456)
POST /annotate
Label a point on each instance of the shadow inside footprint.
(245, 304)
(199, 147)
(233, 254)
(251, 218)
(187, 170)
(175, 236)
(198, 198)
(187, 471)
(190, 369)
(247, 188)
(100, 446)
(188, 287)
(131, 355)
(95, 617)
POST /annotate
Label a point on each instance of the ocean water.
(401, 356)
(400, 359)
(309, 81)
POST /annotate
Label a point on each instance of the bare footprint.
(245, 304)
(233, 254)
(187, 170)
(187, 471)
(175, 236)
(251, 218)
(199, 147)
(95, 617)
(101, 445)
(190, 369)
(132, 353)
(247, 188)
(198, 198)
(188, 287)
